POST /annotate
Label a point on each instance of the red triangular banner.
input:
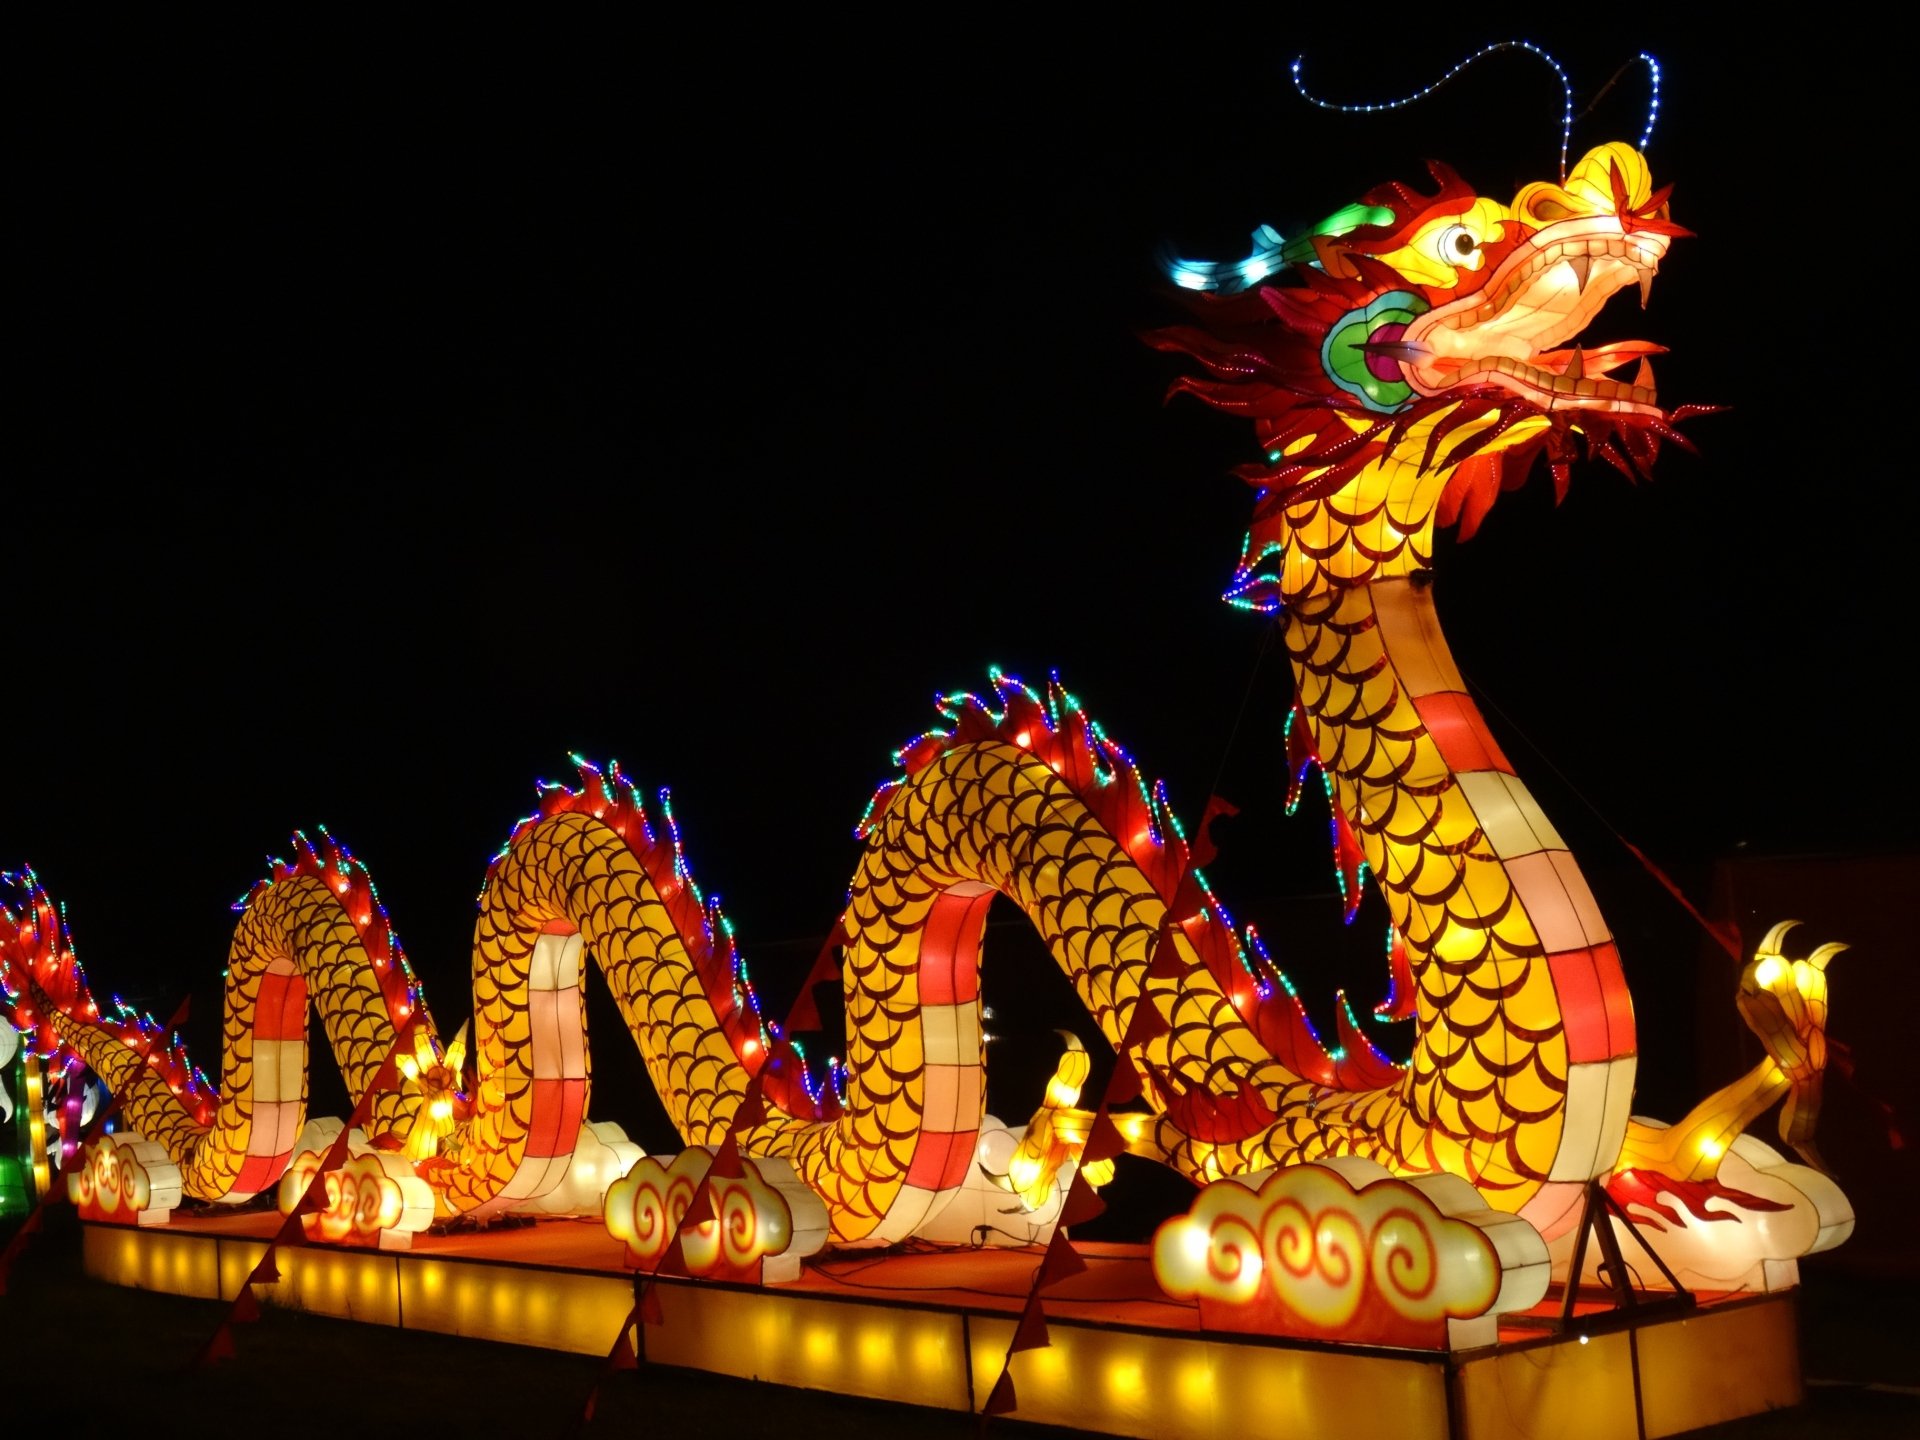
(1104, 1140)
(1001, 1399)
(699, 1209)
(313, 1199)
(219, 1348)
(337, 1152)
(1062, 1262)
(1082, 1203)
(387, 1077)
(805, 1014)
(1124, 1084)
(622, 1356)
(726, 1160)
(246, 1309)
(362, 1110)
(650, 1311)
(674, 1261)
(1031, 1333)
(292, 1231)
(266, 1272)
(1146, 1024)
(1167, 964)
(753, 1108)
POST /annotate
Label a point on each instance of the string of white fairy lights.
(1566, 90)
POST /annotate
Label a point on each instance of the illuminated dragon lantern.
(1422, 353)
(1427, 355)
(1424, 357)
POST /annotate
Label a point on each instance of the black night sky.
(395, 424)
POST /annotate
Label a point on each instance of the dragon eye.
(1457, 245)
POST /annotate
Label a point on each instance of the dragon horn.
(1775, 938)
(1819, 958)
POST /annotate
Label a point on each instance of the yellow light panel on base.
(1698, 1368)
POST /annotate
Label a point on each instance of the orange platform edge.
(933, 1329)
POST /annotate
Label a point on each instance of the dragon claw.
(1784, 1002)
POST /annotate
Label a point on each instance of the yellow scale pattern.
(991, 812)
(574, 869)
(1486, 1007)
(1487, 1078)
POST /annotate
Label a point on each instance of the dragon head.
(1426, 352)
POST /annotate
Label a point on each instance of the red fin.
(1202, 844)
(1300, 753)
(1470, 494)
(1643, 1188)
(1280, 1022)
(1349, 864)
(1360, 1067)
(1219, 1119)
(1400, 996)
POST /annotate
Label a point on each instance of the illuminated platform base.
(932, 1330)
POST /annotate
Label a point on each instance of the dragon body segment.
(313, 935)
(1421, 357)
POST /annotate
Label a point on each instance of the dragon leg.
(1784, 1002)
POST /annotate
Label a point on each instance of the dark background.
(394, 417)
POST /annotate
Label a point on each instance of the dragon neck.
(1378, 525)
(1522, 1068)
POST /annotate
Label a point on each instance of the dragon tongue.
(1406, 351)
